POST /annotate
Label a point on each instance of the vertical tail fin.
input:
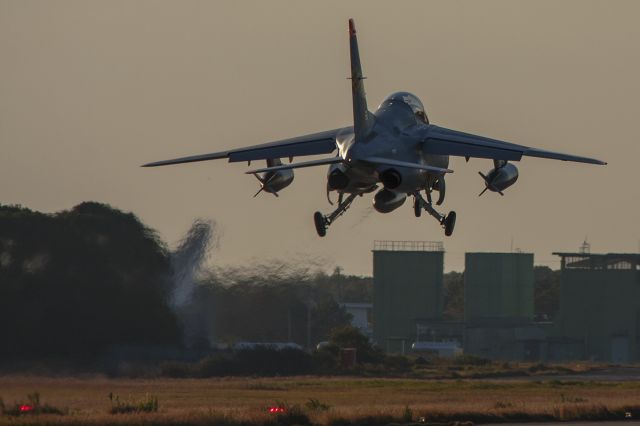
(362, 118)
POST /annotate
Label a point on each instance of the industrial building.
(598, 319)
(407, 284)
(599, 316)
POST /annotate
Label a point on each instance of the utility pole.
(309, 326)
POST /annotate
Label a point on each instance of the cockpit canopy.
(400, 111)
(408, 99)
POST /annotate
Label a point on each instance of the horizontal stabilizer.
(313, 163)
(397, 163)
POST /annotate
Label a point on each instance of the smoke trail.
(187, 260)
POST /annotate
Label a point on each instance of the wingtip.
(153, 164)
(352, 27)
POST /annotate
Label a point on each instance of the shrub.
(397, 363)
(470, 360)
(293, 416)
(538, 367)
(217, 365)
(350, 337)
(149, 404)
(421, 361)
(270, 361)
(32, 406)
(407, 415)
(325, 360)
(315, 405)
(176, 370)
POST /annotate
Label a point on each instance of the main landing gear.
(448, 222)
(322, 222)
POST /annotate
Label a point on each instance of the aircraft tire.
(318, 220)
(449, 223)
(417, 208)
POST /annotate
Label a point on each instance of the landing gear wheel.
(449, 223)
(321, 226)
(417, 207)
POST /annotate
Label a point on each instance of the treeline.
(78, 283)
(265, 360)
(271, 302)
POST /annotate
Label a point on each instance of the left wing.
(442, 141)
(313, 144)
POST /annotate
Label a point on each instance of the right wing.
(441, 141)
(313, 144)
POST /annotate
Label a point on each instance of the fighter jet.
(395, 152)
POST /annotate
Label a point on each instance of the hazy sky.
(89, 90)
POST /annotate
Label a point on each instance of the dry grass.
(232, 400)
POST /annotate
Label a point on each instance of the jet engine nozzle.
(500, 178)
(391, 178)
(386, 201)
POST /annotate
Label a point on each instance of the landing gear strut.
(448, 222)
(322, 222)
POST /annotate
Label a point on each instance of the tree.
(454, 296)
(547, 291)
(76, 282)
(348, 336)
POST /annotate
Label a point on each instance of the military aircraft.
(395, 147)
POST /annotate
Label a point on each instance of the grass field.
(349, 400)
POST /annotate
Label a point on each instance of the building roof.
(625, 261)
(386, 245)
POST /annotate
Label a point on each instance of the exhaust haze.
(187, 260)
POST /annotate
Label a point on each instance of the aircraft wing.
(313, 144)
(441, 141)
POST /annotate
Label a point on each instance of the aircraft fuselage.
(398, 124)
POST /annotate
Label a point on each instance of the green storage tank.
(498, 287)
(407, 286)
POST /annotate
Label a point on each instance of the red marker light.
(277, 409)
(26, 408)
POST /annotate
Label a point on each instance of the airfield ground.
(323, 400)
